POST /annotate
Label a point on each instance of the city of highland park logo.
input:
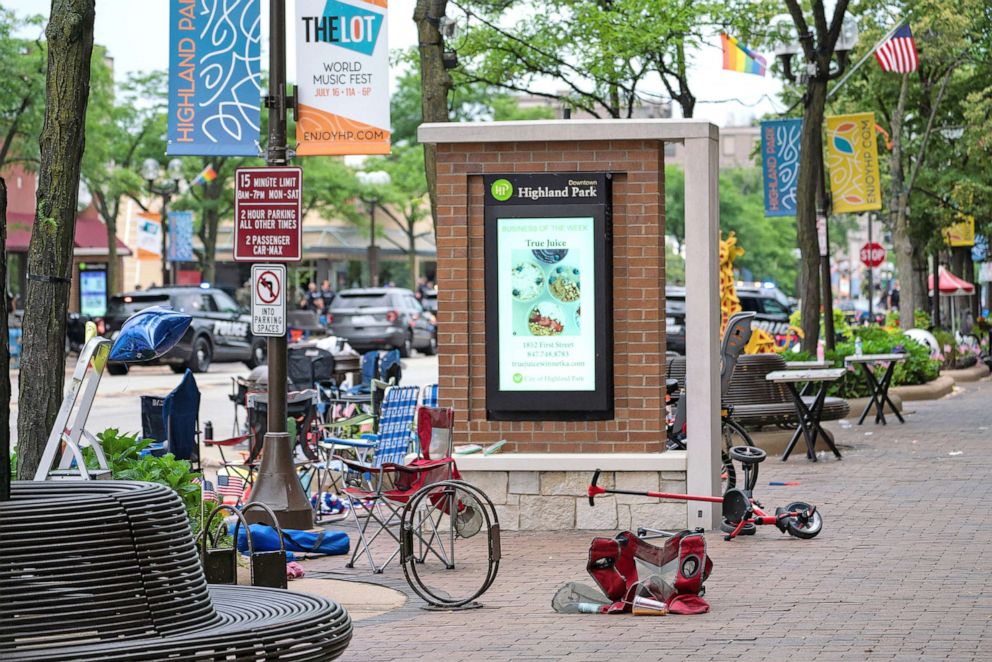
(517, 377)
(501, 189)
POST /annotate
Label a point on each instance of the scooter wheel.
(799, 529)
(748, 454)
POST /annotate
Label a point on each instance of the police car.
(221, 330)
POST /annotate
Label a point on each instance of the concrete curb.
(972, 374)
(934, 390)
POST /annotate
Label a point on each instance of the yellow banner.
(961, 233)
(852, 157)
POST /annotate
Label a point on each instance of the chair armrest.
(357, 467)
(227, 442)
(418, 467)
(350, 443)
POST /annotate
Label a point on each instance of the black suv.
(221, 330)
(382, 318)
(771, 305)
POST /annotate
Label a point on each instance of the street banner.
(181, 236)
(852, 157)
(215, 72)
(961, 233)
(342, 77)
(780, 165)
(149, 243)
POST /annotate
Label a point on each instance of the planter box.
(934, 390)
(548, 491)
(972, 374)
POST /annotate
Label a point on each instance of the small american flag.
(207, 490)
(898, 52)
(230, 487)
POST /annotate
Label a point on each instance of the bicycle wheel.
(733, 435)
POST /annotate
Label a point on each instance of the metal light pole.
(373, 180)
(151, 170)
(277, 485)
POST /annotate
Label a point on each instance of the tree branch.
(801, 26)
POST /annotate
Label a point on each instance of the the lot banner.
(215, 72)
(852, 156)
(780, 165)
(181, 236)
(342, 75)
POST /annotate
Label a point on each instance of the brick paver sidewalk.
(901, 570)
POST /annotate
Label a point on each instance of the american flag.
(207, 491)
(230, 487)
(898, 52)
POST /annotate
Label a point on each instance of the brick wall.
(638, 292)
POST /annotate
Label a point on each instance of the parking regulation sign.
(268, 214)
(268, 300)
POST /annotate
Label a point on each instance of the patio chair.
(174, 421)
(429, 395)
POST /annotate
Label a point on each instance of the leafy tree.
(121, 129)
(22, 88)
(602, 52)
(4, 360)
(916, 107)
(70, 45)
(769, 243)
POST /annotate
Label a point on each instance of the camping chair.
(301, 406)
(391, 443)
(370, 371)
(174, 421)
(429, 395)
(390, 369)
(313, 367)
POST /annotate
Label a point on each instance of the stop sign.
(872, 254)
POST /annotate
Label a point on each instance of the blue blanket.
(265, 539)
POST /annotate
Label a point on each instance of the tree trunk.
(412, 257)
(807, 187)
(70, 45)
(209, 238)
(4, 359)
(435, 83)
(919, 278)
(112, 270)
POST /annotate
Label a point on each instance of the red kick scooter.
(741, 512)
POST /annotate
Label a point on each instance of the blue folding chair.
(178, 429)
(428, 396)
(370, 371)
(364, 481)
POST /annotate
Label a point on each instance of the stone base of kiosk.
(547, 491)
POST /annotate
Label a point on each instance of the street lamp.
(788, 44)
(164, 182)
(373, 183)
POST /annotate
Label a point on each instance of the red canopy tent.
(950, 285)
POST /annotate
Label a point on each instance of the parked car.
(771, 306)
(429, 301)
(382, 318)
(221, 330)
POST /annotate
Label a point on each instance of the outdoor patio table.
(807, 365)
(879, 387)
(809, 416)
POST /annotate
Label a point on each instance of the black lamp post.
(789, 45)
(165, 186)
(372, 181)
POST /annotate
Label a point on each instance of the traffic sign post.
(268, 300)
(268, 210)
(271, 231)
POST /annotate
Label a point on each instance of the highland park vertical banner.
(342, 76)
(215, 72)
(852, 156)
(780, 165)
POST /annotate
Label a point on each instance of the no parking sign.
(268, 300)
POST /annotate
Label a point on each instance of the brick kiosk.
(538, 480)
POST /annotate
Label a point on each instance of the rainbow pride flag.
(208, 175)
(738, 57)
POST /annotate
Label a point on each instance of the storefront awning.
(90, 238)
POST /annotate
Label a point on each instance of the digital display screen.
(93, 292)
(548, 297)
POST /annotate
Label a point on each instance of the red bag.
(626, 566)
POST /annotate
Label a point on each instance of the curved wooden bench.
(108, 570)
(757, 401)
